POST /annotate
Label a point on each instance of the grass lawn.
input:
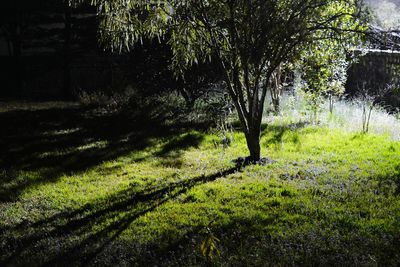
(81, 188)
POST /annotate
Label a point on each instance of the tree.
(323, 69)
(249, 39)
(152, 73)
(276, 87)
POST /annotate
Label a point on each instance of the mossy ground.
(83, 190)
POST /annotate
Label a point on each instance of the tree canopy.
(248, 38)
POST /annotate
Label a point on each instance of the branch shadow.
(58, 141)
(277, 132)
(73, 231)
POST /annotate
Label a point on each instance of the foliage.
(151, 72)
(209, 245)
(323, 69)
(248, 39)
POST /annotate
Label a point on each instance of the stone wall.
(376, 71)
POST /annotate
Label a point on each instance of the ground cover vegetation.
(86, 187)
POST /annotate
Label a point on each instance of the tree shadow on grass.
(53, 142)
(386, 182)
(276, 132)
(170, 153)
(77, 236)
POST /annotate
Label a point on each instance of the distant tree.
(249, 39)
(276, 87)
(151, 72)
(323, 69)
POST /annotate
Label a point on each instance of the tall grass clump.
(347, 115)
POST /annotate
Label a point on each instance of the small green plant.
(209, 245)
(314, 103)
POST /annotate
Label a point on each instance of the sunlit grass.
(346, 116)
(330, 196)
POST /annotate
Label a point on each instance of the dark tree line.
(54, 35)
(44, 28)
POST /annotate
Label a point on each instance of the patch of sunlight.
(347, 116)
(61, 132)
(97, 145)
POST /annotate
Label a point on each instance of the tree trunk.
(275, 86)
(331, 103)
(276, 104)
(189, 100)
(253, 144)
